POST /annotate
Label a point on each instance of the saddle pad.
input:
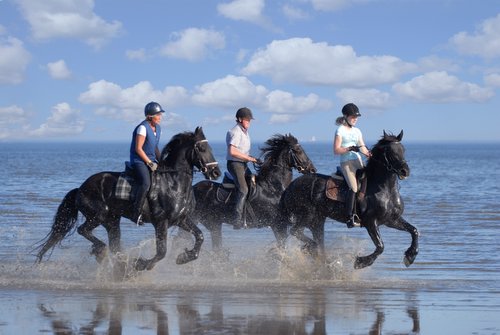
(332, 190)
(123, 189)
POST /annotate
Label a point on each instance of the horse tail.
(64, 222)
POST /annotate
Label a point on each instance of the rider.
(348, 143)
(238, 155)
(144, 154)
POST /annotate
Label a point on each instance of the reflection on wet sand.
(219, 313)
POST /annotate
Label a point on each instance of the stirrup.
(139, 221)
(354, 221)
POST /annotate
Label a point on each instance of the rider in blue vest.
(145, 154)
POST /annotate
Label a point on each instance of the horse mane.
(175, 142)
(272, 149)
(377, 149)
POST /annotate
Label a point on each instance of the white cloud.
(59, 70)
(440, 87)
(139, 54)
(365, 98)
(64, 121)
(302, 61)
(128, 104)
(11, 117)
(282, 118)
(194, 44)
(243, 10)
(247, 11)
(68, 19)
(334, 5)
(14, 60)
(436, 63)
(294, 13)
(232, 91)
(229, 92)
(492, 80)
(281, 102)
(484, 42)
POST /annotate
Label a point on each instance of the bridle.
(295, 160)
(390, 164)
(202, 166)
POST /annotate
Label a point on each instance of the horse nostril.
(312, 170)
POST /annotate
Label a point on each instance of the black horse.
(215, 203)
(304, 203)
(171, 187)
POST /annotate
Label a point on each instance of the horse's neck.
(278, 178)
(379, 178)
(178, 164)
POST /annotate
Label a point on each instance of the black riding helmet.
(244, 113)
(153, 108)
(350, 110)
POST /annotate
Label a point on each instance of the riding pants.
(143, 178)
(239, 170)
(349, 169)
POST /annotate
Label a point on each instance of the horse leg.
(280, 233)
(216, 236)
(412, 252)
(310, 245)
(373, 231)
(161, 247)
(98, 246)
(190, 255)
(114, 235)
(318, 232)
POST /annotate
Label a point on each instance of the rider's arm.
(363, 148)
(234, 152)
(337, 148)
(139, 143)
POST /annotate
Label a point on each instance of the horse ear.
(400, 136)
(385, 134)
(198, 130)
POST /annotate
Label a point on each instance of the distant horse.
(171, 187)
(215, 204)
(304, 203)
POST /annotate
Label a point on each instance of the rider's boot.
(138, 205)
(354, 220)
(239, 209)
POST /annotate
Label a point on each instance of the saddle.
(125, 183)
(337, 188)
(125, 186)
(226, 193)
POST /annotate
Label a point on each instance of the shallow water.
(452, 288)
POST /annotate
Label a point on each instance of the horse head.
(390, 152)
(196, 150)
(203, 156)
(287, 148)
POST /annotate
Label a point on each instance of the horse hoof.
(363, 262)
(141, 264)
(185, 257)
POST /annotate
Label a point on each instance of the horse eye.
(201, 148)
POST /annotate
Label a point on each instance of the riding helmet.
(153, 108)
(244, 113)
(350, 110)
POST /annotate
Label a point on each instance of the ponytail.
(340, 120)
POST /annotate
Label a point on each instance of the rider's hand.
(152, 166)
(353, 148)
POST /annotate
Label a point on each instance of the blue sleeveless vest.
(150, 144)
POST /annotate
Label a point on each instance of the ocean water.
(451, 196)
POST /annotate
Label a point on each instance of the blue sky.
(82, 70)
